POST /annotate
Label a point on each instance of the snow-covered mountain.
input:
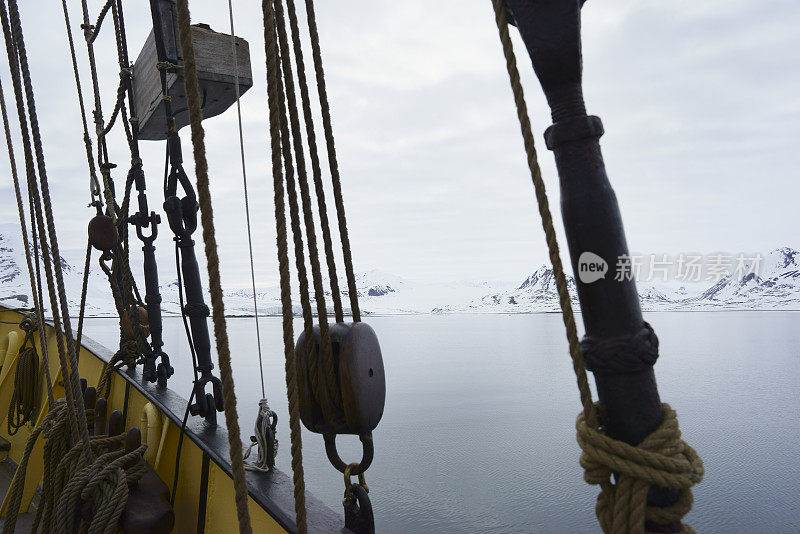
(776, 286)
(15, 286)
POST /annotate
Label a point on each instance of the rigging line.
(178, 450)
(212, 262)
(273, 101)
(102, 149)
(329, 376)
(246, 199)
(38, 297)
(96, 28)
(332, 161)
(297, 237)
(132, 125)
(315, 164)
(84, 287)
(94, 184)
(23, 227)
(15, 48)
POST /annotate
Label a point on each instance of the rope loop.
(662, 459)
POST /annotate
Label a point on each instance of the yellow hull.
(205, 497)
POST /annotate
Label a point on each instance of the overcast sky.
(700, 102)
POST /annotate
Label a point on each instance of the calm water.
(478, 432)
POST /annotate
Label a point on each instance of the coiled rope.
(662, 458)
(22, 408)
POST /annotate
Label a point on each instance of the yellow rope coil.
(663, 459)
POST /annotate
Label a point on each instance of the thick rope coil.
(663, 459)
(22, 408)
(103, 485)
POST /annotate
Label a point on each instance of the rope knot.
(621, 354)
(662, 459)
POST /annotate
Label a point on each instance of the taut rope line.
(325, 380)
(332, 161)
(274, 93)
(315, 164)
(212, 261)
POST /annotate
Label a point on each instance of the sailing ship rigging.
(99, 472)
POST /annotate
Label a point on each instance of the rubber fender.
(9, 345)
(150, 425)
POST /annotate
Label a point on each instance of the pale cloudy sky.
(699, 99)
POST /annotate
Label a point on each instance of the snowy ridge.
(777, 286)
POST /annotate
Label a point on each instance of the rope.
(15, 47)
(35, 295)
(84, 289)
(246, 199)
(324, 380)
(70, 483)
(212, 259)
(332, 161)
(18, 485)
(274, 99)
(123, 285)
(22, 407)
(315, 165)
(95, 28)
(662, 458)
(87, 140)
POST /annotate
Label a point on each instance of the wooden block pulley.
(353, 402)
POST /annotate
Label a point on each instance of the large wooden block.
(215, 71)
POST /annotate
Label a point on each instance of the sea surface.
(478, 433)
